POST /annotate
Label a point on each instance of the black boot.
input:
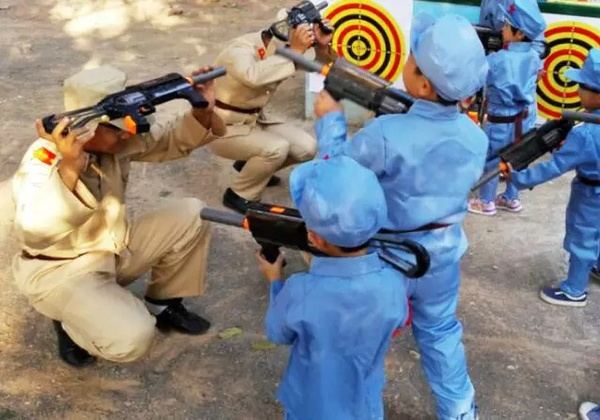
(69, 351)
(176, 317)
(235, 202)
(238, 165)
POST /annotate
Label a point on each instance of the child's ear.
(426, 88)
(316, 241)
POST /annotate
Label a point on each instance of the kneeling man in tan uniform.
(78, 248)
(261, 145)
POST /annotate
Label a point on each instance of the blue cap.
(590, 72)
(339, 200)
(450, 54)
(526, 16)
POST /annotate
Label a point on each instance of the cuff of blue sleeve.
(516, 181)
(335, 116)
(276, 287)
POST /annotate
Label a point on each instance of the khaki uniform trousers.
(267, 149)
(86, 294)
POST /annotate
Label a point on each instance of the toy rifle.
(273, 227)
(304, 12)
(344, 80)
(491, 39)
(536, 143)
(136, 102)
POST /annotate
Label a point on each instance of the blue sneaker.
(589, 411)
(555, 296)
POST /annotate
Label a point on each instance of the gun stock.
(581, 116)
(491, 39)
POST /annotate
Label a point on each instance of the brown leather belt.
(589, 181)
(228, 107)
(26, 254)
(429, 226)
(517, 119)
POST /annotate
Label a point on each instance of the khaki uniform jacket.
(253, 73)
(51, 220)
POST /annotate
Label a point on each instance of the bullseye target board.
(371, 34)
(570, 39)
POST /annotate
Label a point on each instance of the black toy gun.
(273, 227)
(581, 116)
(304, 12)
(136, 102)
(491, 39)
(536, 143)
(344, 80)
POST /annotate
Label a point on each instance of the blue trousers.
(582, 239)
(500, 135)
(438, 334)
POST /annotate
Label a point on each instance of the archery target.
(569, 43)
(367, 35)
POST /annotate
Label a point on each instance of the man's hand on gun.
(207, 90)
(302, 38)
(271, 272)
(74, 159)
(322, 38)
(325, 104)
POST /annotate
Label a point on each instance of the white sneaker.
(589, 411)
(513, 206)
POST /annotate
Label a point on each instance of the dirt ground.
(528, 360)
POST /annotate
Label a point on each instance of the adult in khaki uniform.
(78, 248)
(260, 144)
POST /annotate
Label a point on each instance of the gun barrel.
(305, 63)
(581, 116)
(322, 5)
(222, 217)
(485, 178)
(206, 77)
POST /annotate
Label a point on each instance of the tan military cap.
(281, 15)
(88, 87)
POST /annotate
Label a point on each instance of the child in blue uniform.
(427, 162)
(511, 88)
(581, 152)
(492, 15)
(340, 315)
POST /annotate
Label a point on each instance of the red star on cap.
(512, 9)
